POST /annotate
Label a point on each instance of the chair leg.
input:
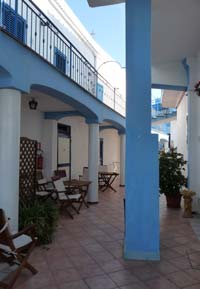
(75, 209)
(5, 286)
(30, 268)
(68, 212)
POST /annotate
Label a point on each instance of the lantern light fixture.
(33, 104)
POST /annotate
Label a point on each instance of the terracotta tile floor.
(87, 253)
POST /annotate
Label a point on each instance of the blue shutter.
(100, 91)
(60, 60)
(8, 21)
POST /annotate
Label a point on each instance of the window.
(100, 91)
(101, 151)
(60, 60)
(8, 21)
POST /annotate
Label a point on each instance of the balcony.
(26, 23)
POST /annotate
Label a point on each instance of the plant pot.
(173, 201)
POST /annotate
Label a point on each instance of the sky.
(107, 23)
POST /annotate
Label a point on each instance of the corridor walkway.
(87, 253)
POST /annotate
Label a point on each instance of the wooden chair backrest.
(39, 175)
(60, 173)
(5, 234)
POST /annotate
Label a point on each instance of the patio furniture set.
(16, 248)
(68, 192)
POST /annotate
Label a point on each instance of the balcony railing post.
(70, 61)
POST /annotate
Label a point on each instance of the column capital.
(92, 121)
(121, 132)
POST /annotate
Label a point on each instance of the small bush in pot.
(44, 215)
(172, 179)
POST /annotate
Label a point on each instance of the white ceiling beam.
(96, 3)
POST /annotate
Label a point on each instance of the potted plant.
(172, 179)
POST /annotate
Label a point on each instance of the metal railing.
(24, 21)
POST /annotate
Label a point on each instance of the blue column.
(142, 197)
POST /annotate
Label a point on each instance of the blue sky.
(108, 24)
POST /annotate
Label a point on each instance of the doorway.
(64, 148)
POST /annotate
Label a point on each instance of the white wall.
(173, 132)
(111, 155)
(169, 74)
(34, 126)
(49, 146)
(194, 131)
(179, 128)
(31, 121)
(79, 144)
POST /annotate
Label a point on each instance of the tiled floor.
(87, 253)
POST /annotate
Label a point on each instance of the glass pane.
(63, 150)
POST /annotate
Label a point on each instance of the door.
(64, 148)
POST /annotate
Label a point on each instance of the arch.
(115, 125)
(81, 108)
(4, 72)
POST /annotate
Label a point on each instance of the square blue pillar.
(142, 196)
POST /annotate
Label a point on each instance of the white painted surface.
(173, 131)
(111, 144)
(93, 162)
(10, 106)
(194, 132)
(186, 131)
(170, 73)
(49, 146)
(31, 121)
(179, 128)
(79, 145)
(122, 159)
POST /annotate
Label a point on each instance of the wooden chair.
(61, 174)
(15, 250)
(65, 198)
(45, 189)
(84, 176)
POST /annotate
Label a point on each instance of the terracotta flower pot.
(173, 201)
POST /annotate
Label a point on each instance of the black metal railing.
(24, 21)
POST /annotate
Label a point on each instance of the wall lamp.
(33, 104)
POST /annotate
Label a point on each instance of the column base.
(132, 255)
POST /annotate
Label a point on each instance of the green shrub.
(44, 215)
(171, 168)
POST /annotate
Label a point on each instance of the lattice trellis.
(28, 150)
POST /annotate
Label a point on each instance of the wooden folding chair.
(61, 174)
(45, 189)
(66, 199)
(15, 250)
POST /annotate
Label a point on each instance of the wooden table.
(106, 180)
(82, 186)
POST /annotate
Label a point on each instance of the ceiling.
(46, 103)
(172, 98)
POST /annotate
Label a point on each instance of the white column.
(93, 162)
(122, 159)
(10, 108)
(49, 145)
